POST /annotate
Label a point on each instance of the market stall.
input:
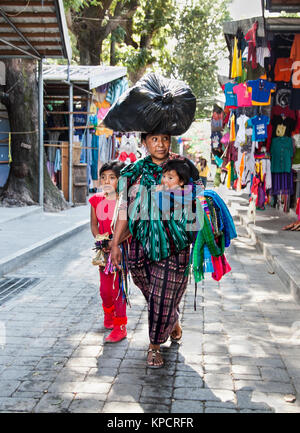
(77, 98)
(256, 138)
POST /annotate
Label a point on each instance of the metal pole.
(88, 141)
(70, 142)
(41, 133)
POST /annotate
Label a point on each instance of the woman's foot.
(154, 358)
(176, 334)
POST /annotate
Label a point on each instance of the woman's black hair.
(183, 168)
(115, 166)
(144, 135)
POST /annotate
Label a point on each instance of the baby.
(176, 174)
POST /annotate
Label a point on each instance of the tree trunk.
(22, 186)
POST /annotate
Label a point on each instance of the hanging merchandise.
(261, 91)
(244, 96)
(259, 124)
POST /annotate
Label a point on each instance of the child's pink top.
(104, 211)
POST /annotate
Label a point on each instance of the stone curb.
(23, 256)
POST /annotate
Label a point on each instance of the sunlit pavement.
(239, 353)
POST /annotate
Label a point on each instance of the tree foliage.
(198, 36)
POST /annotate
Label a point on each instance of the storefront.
(77, 99)
(256, 138)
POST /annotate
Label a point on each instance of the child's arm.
(94, 222)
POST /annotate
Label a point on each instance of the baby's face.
(170, 180)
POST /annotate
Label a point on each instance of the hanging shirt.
(281, 154)
(236, 68)
(261, 91)
(231, 98)
(259, 125)
(283, 69)
(283, 126)
(295, 57)
(261, 54)
(243, 93)
(241, 134)
(250, 37)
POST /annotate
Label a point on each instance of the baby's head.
(176, 174)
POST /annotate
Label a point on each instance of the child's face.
(170, 180)
(108, 181)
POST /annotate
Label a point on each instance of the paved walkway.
(240, 349)
(27, 231)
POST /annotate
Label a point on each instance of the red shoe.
(109, 314)
(119, 332)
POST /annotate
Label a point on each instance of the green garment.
(145, 219)
(281, 154)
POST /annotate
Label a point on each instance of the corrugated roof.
(33, 28)
(94, 76)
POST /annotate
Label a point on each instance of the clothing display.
(259, 125)
(263, 123)
(261, 91)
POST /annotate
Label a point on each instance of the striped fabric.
(163, 285)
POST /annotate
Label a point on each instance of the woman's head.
(109, 174)
(176, 172)
(158, 146)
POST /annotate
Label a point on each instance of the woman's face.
(158, 145)
(108, 181)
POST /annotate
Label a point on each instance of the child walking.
(102, 211)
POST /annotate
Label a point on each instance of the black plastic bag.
(154, 105)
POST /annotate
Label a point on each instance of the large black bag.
(154, 105)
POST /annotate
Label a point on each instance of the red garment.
(104, 211)
(251, 38)
(221, 267)
(110, 293)
(123, 156)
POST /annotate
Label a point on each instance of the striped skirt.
(163, 285)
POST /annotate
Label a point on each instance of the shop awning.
(33, 28)
(283, 5)
(90, 77)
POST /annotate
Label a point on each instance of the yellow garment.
(104, 131)
(204, 172)
(103, 104)
(232, 128)
(264, 103)
(9, 148)
(236, 68)
(228, 166)
(242, 167)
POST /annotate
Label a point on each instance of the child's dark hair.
(115, 166)
(182, 169)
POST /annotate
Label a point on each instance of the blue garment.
(259, 125)
(227, 224)
(57, 162)
(95, 156)
(231, 98)
(261, 90)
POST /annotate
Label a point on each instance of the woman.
(162, 282)
(203, 171)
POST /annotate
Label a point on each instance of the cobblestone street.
(239, 352)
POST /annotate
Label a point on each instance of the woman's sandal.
(151, 361)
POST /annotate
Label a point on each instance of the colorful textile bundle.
(217, 232)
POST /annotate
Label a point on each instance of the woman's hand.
(116, 256)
